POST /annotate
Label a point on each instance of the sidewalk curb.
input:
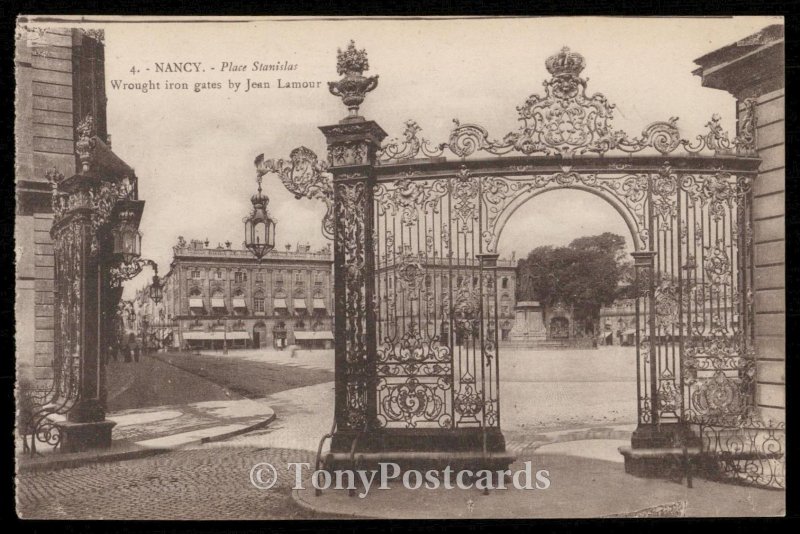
(221, 437)
(98, 457)
(308, 507)
(143, 452)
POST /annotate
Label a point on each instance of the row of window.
(278, 287)
(445, 280)
(240, 276)
(259, 306)
(197, 294)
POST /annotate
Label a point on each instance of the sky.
(193, 152)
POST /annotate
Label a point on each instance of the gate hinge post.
(353, 145)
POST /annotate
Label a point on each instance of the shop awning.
(239, 334)
(279, 303)
(217, 303)
(307, 336)
(195, 303)
(299, 304)
(216, 336)
(319, 304)
(239, 303)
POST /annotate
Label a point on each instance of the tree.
(605, 243)
(585, 274)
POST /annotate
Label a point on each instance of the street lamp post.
(145, 324)
(225, 335)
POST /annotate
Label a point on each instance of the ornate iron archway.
(415, 239)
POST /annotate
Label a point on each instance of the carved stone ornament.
(97, 35)
(86, 143)
(745, 141)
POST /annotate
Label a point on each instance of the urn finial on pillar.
(354, 86)
(85, 144)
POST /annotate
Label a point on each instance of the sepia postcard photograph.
(399, 268)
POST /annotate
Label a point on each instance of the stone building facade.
(60, 80)
(618, 323)
(399, 301)
(218, 295)
(752, 70)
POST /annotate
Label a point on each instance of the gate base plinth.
(662, 451)
(662, 436)
(79, 437)
(648, 467)
(420, 449)
(421, 461)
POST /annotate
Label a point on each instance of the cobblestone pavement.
(190, 484)
(540, 392)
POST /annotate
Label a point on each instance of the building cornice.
(751, 66)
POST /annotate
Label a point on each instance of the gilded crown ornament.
(566, 62)
(354, 86)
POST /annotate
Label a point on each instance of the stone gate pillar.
(352, 155)
(752, 71)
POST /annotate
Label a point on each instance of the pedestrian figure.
(129, 347)
(136, 351)
(126, 353)
(112, 353)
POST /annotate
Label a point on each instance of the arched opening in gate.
(557, 367)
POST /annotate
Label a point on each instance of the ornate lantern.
(156, 289)
(259, 228)
(127, 238)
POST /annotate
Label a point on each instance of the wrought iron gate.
(436, 301)
(436, 298)
(416, 235)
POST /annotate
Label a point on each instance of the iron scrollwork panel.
(57, 395)
(702, 299)
(304, 175)
(719, 357)
(642, 275)
(569, 121)
(431, 353)
(351, 298)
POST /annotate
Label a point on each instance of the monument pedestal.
(529, 328)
